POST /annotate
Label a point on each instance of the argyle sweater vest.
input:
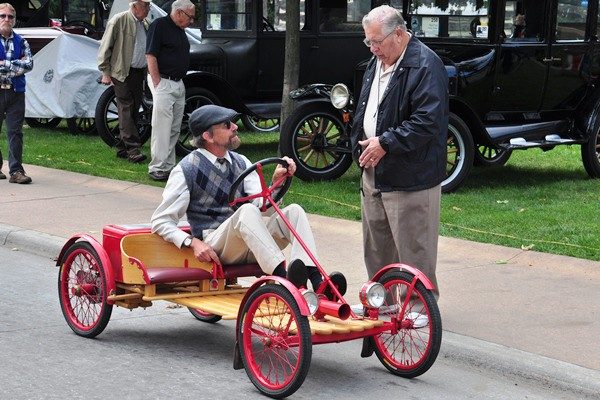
(209, 190)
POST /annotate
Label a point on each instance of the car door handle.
(552, 59)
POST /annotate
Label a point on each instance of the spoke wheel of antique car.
(81, 126)
(261, 125)
(460, 153)
(275, 341)
(590, 155)
(204, 316)
(411, 347)
(43, 122)
(82, 291)
(107, 119)
(487, 156)
(314, 137)
(194, 97)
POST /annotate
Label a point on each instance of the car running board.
(549, 140)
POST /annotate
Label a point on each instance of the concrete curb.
(464, 349)
(39, 243)
(520, 364)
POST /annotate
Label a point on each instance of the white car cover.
(63, 81)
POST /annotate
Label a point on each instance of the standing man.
(122, 61)
(399, 139)
(15, 61)
(168, 56)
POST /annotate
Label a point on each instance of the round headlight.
(311, 299)
(340, 96)
(372, 294)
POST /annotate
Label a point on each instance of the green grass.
(539, 200)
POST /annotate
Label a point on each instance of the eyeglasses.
(191, 17)
(7, 16)
(377, 43)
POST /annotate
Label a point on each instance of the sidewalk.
(496, 302)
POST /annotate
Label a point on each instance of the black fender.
(587, 116)
(224, 91)
(469, 116)
(312, 91)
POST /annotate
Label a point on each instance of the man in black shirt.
(168, 56)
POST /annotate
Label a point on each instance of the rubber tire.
(487, 156)
(249, 353)
(405, 338)
(252, 124)
(204, 316)
(81, 126)
(460, 156)
(590, 155)
(194, 97)
(48, 123)
(82, 254)
(107, 119)
(316, 112)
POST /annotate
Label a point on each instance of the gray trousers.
(168, 100)
(400, 227)
(12, 108)
(248, 237)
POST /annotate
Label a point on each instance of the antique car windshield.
(229, 15)
(459, 19)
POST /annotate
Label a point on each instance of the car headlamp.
(311, 299)
(340, 96)
(372, 294)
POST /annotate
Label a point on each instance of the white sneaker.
(419, 320)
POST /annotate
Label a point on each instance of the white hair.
(389, 17)
(181, 4)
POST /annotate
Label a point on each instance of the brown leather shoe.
(19, 177)
(2, 176)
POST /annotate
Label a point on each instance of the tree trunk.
(291, 70)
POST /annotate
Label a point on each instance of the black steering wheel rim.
(282, 190)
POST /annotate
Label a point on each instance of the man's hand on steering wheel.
(281, 171)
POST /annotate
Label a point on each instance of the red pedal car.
(277, 322)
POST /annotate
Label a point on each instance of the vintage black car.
(522, 74)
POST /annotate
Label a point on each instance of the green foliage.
(542, 201)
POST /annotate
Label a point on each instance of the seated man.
(199, 186)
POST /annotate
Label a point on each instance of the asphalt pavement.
(521, 312)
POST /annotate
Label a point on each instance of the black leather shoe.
(297, 273)
(136, 158)
(122, 154)
(339, 281)
(159, 175)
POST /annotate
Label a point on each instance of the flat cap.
(204, 117)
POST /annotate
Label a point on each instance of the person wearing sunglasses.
(168, 57)
(122, 61)
(399, 140)
(15, 61)
(199, 186)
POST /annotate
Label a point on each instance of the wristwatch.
(187, 242)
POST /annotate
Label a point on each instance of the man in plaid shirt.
(15, 61)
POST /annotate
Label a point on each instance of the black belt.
(170, 78)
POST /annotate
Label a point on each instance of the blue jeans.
(12, 108)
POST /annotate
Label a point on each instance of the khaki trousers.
(400, 227)
(248, 237)
(168, 100)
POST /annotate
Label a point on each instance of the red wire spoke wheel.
(275, 341)
(82, 291)
(411, 347)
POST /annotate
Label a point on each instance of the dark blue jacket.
(412, 122)
(18, 82)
